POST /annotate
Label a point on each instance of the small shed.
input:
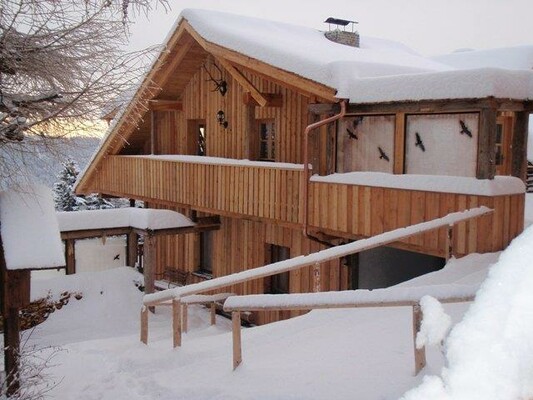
(30, 240)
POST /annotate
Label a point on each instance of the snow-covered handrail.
(389, 297)
(314, 258)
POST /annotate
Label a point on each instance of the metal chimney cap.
(338, 21)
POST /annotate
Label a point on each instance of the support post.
(449, 243)
(519, 145)
(152, 132)
(237, 349)
(149, 263)
(131, 249)
(144, 324)
(316, 278)
(11, 349)
(70, 256)
(213, 313)
(185, 317)
(420, 354)
(176, 322)
(486, 166)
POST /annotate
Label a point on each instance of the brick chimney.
(346, 37)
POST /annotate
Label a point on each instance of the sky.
(430, 27)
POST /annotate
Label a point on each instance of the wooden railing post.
(213, 313)
(448, 251)
(316, 278)
(144, 324)
(237, 350)
(185, 317)
(420, 354)
(176, 322)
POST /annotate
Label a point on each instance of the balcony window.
(267, 140)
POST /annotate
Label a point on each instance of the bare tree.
(61, 62)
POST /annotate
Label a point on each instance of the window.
(206, 252)
(499, 144)
(267, 140)
(279, 283)
(201, 140)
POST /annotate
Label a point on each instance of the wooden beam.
(185, 317)
(519, 145)
(250, 129)
(12, 349)
(399, 144)
(278, 75)
(131, 248)
(324, 108)
(165, 105)
(92, 233)
(486, 166)
(176, 322)
(144, 324)
(430, 106)
(236, 335)
(149, 263)
(243, 81)
(70, 256)
(213, 310)
(273, 99)
(152, 132)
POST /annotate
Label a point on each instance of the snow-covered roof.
(378, 71)
(139, 218)
(515, 58)
(30, 233)
(306, 51)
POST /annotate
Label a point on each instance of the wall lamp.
(221, 119)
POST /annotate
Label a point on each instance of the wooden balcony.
(357, 211)
(269, 191)
(261, 189)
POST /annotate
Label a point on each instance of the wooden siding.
(360, 211)
(262, 192)
(200, 102)
(240, 245)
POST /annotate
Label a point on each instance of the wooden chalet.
(231, 115)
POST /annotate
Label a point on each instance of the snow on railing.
(389, 297)
(322, 256)
(314, 258)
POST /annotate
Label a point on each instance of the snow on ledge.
(30, 233)
(499, 186)
(139, 218)
(222, 161)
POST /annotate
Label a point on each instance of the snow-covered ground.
(366, 353)
(326, 354)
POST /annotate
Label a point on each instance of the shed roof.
(29, 229)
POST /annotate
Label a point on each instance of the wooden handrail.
(419, 353)
(322, 256)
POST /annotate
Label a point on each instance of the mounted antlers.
(221, 84)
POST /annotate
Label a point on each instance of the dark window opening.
(279, 283)
(202, 150)
(206, 251)
(267, 139)
(352, 263)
